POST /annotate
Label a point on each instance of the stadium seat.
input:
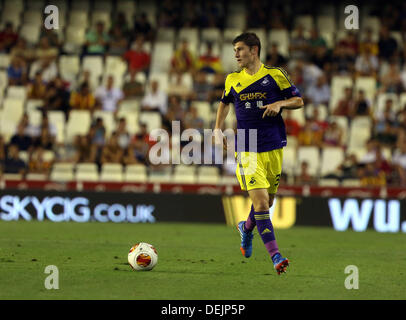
(131, 120)
(343, 124)
(160, 176)
(204, 111)
(166, 35)
(151, 119)
(211, 35)
(228, 58)
(309, 110)
(111, 172)
(4, 60)
(86, 172)
(329, 183)
(57, 118)
(208, 175)
(326, 23)
(35, 117)
(306, 21)
(95, 65)
(74, 39)
(358, 137)
(69, 66)
(33, 104)
(78, 124)
(184, 174)
(216, 49)
(281, 37)
(78, 18)
(402, 101)
(161, 57)
(299, 115)
(135, 173)
(129, 105)
(127, 6)
(36, 176)
(11, 15)
(101, 15)
(229, 34)
(62, 171)
(13, 110)
(289, 160)
(32, 17)
(12, 176)
(162, 78)
(17, 92)
(371, 22)
(331, 158)
(351, 183)
(368, 84)
(229, 180)
(338, 84)
(310, 154)
(236, 19)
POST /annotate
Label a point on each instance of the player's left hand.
(271, 109)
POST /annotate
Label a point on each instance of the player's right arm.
(222, 111)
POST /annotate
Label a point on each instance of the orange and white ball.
(142, 257)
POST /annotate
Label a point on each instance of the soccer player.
(259, 93)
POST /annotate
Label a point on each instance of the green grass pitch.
(196, 261)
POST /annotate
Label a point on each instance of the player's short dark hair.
(250, 39)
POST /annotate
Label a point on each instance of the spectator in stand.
(315, 42)
(362, 106)
(274, 58)
(342, 61)
(46, 140)
(8, 37)
(118, 42)
(320, 92)
(57, 96)
(175, 113)
(370, 156)
(37, 88)
(155, 99)
(350, 44)
(120, 20)
(112, 152)
(17, 72)
(201, 87)
(52, 37)
(304, 176)
(391, 80)
(366, 64)
(193, 120)
(368, 43)
(47, 68)
(37, 163)
(13, 163)
(137, 58)
(109, 97)
(333, 135)
(385, 130)
(142, 27)
(22, 51)
(98, 133)
(387, 45)
(217, 87)
(372, 176)
(85, 150)
(348, 169)
(299, 45)
(183, 59)
(97, 40)
(209, 62)
(45, 50)
(22, 140)
(137, 151)
(345, 105)
(292, 125)
(133, 88)
(82, 99)
(399, 163)
(308, 137)
(179, 85)
(123, 136)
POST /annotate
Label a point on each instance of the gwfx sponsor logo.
(252, 96)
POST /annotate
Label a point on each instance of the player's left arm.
(274, 108)
(292, 98)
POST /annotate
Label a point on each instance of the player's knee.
(261, 205)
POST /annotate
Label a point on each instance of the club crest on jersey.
(253, 96)
(265, 82)
(252, 181)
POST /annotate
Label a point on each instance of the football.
(142, 257)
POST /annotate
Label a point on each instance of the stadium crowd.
(311, 63)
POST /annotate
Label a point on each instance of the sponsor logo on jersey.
(252, 96)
